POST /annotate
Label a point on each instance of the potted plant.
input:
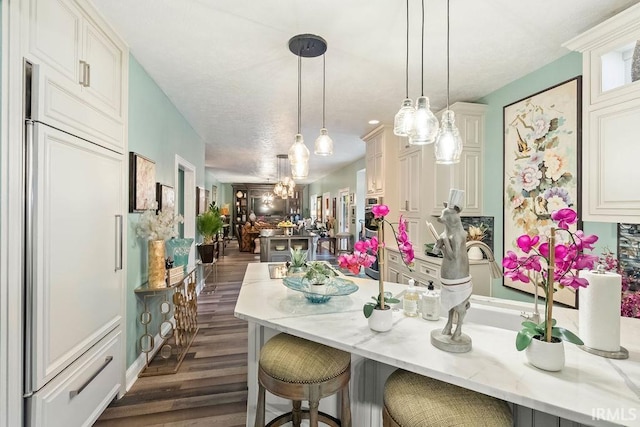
(547, 268)
(317, 275)
(209, 224)
(378, 313)
(298, 264)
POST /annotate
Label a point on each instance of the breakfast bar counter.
(590, 389)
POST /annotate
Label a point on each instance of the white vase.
(381, 320)
(474, 253)
(548, 356)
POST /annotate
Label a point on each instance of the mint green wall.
(558, 71)
(158, 131)
(342, 178)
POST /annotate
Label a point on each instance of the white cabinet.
(78, 254)
(466, 175)
(375, 163)
(81, 70)
(410, 169)
(611, 118)
(427, 269)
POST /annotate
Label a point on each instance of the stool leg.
(296, 414)
(345, 411)
(313, 413)
(260, 407)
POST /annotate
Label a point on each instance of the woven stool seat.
(412, 400)
(302, 370)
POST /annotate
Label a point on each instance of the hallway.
(210, 389)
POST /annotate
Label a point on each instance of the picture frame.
(200, 200)
(542, 151)
(142, 183)
(352, 199)
(165, 196)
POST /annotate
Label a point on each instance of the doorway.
(343, 210)
(185, 176)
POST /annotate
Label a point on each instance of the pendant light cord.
(324, 84)
(299, 89)
(448, 54)
(422, 60)
(406, 66)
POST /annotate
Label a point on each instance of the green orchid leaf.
(529, 325)
(368, 309)
(391, 300)
(523, 339)
(566, 335)
(374, 298)
(544, 324)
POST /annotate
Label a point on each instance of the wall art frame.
(166, 197)
(201, 201)
(542, 168)
(142, 182)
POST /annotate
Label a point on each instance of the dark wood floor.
(210, 389)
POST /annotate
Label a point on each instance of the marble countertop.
(588, 390)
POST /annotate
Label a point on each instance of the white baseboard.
(138, 365)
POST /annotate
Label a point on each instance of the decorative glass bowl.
(318, 294)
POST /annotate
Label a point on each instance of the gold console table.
(178, 324)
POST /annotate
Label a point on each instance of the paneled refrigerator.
(73, 264)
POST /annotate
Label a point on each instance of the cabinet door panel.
(78, 289)
(444, 178)
(612, 161)
(105, 74)
(471, 179)
(55, 35)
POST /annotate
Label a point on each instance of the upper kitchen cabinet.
(611, 118)
(81, 69)
(466, 175)
(381, 148)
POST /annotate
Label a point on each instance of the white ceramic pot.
(474, 253)
(381, 320)
(548, 356)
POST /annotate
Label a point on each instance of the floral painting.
(541, 167)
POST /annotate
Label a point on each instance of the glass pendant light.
(300, 170)
(448, 146)
(299, 153)
(425, 126)
(403, 121)
(324, 144)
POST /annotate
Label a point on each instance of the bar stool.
(342, 237)
(298, 369)
(412, 400)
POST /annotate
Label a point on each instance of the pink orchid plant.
(547, 262)
(365, 250)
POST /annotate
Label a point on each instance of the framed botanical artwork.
(542, 150)
(201, 205)
(166, 197)
(142, 183)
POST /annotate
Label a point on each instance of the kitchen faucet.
(496, 273)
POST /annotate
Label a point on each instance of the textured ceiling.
(226, 65)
